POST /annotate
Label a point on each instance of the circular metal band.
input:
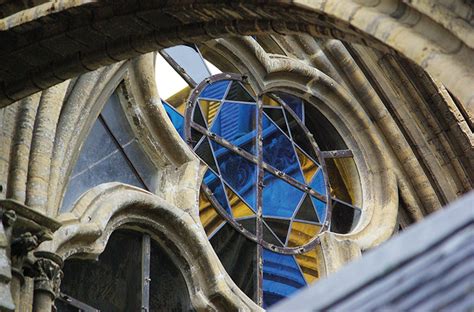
(189, 125)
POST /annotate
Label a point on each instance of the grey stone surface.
(429, 267)
(6, 301)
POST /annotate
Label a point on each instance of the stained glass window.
(266, 180)
(266, 196)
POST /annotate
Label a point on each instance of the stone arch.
(110, 206)
(434, 39)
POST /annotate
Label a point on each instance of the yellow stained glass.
(307, 165)
(238, 207)
(209, 109)
(268, 101)
(301, 233)
(310, 264)
(210, 219)
(178, 100)
(345, 182)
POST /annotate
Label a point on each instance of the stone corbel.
(25, 230)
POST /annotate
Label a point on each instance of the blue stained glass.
(278, 150)
(318, 184)
(239, 173)
(215, 184)
(280, 199)
(237, 124)
(281, 277)
(215, 90)
(320, 209)
(176, 118)
(296, 104)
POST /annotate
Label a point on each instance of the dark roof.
(428, 267)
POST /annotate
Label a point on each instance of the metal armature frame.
(261, 166)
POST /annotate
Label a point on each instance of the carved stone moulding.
(28, 219)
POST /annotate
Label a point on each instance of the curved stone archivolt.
(108, 207)
(117, 30)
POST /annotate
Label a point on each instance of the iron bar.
(146, 250)
(337, 154)
(260, 186)
(283, 250)
(190, 81)
(345, 203)
(76, 303)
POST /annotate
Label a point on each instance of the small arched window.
(133, 273)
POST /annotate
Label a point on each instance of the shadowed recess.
(238, 93)
(238, 256)
(279, 226)
(306, 211)
(204, 151)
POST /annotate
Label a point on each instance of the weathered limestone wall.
(411, 132)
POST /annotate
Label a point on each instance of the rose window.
(266, 196)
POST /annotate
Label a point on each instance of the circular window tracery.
(274, 192)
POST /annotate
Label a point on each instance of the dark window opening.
(132, 274)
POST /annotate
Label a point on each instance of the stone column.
(7, 290)
(47, 281)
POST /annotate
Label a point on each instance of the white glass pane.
(190, 60)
